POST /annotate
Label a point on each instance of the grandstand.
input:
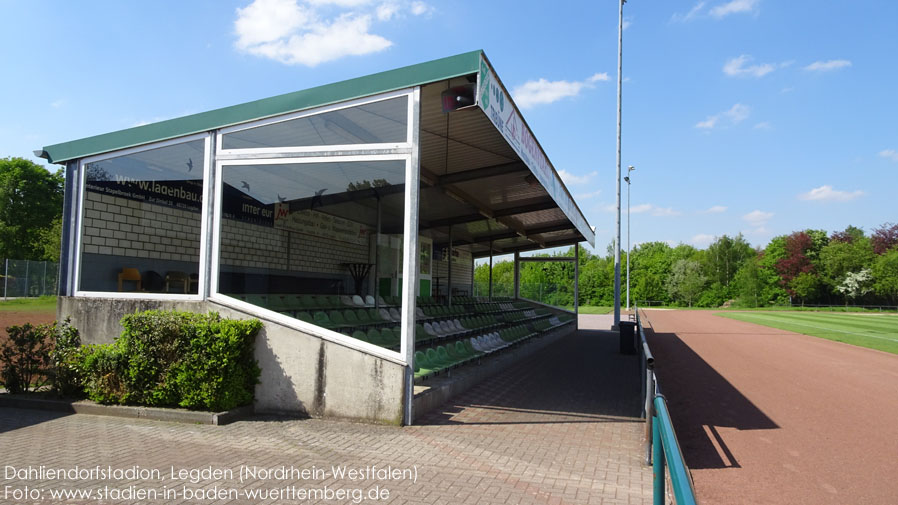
(346, 217)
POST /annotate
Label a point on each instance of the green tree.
(686, 281)
(724, 257)
(649, 267)
(50, 241)
(885, 275)
(30, 202)
(838, 259)
(748, 285)
(805, 286)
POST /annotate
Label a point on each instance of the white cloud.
(736, 67)
(717, 209)
(757, 218)
(570, 178)
(826, 66)
(689, 16)
(421, 8)
(889, 154)
(587, 196)
(701, 240)
(533, 93)
(285, 31)
(826, 193)
(736, 114)
(57, 104)
(734, 7)
(626, 23)
(763, 125)
(340, 3)
(708, 123)
(386, 11)
(653, 210)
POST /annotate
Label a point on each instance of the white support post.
(410, 264)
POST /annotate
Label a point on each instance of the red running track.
(767, 416)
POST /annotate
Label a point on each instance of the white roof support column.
(411, 252)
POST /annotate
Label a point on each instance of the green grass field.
(42, 304)
(872, 331)
(590, 309)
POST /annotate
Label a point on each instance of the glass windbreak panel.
(320, 242)
(141, 221)
(380, 122)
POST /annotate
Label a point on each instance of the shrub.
(169, 358)
(65, 358)
(218, 371)
(25, 357)
(102, 368)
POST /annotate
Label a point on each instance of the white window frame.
(290, 322)
(408, 93)
(203, 267)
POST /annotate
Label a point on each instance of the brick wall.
(130, 228)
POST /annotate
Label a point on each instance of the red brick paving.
(559, 427)
(774, 417)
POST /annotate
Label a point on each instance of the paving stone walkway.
(561, 427)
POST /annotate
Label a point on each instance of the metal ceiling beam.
(511, 234)
(543, 204)
(530, 247)
(481, 173)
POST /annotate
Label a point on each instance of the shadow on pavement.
(12, 419)
(700, 401)
(582, 378)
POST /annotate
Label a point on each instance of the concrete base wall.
(302, 374)
(98, 318)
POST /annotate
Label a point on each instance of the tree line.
(804, 267)
(30, 210)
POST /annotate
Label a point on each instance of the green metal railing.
(662, 448)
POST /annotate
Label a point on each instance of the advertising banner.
(496, 104)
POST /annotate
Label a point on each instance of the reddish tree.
(885, 237)
(796, 260)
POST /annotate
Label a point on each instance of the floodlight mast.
(629, 249)
(620, 43)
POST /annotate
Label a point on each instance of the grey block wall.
(302, 374)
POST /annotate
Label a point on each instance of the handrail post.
(657, 465)
(649, 415)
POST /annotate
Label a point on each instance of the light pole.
(627, 178)
(620, 53)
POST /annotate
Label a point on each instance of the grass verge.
(871, 331)
(42, 304)
(589, 309)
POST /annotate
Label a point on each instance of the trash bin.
(627, 337)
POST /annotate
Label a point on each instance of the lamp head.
(630, 168)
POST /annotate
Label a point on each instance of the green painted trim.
(405, 77)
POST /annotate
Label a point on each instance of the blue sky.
(753, 116)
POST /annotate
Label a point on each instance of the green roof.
(415, 75)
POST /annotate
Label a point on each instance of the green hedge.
(168, 358)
